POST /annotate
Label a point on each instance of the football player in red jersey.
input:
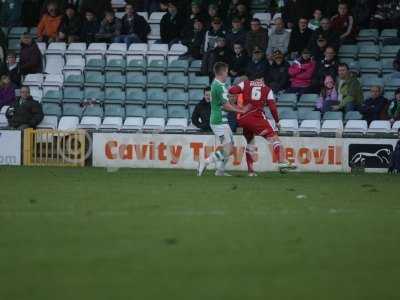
(255, 95)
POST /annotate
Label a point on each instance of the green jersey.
(219, 96)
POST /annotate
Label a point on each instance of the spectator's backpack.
(394, 165)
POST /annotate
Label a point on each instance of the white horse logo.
(382, 155)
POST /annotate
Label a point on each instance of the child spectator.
(314, 23)
(301, 73)
(328, 96)
(343, 23)
(49, 24)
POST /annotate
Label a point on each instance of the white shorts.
(223, 133)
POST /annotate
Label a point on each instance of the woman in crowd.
(301, 73)
(7, 92)
(329, 95)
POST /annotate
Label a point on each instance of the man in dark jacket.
(277, 76)
(202, 112)
(375, 107)
(90, 27)
(134, 28)
(239, 61)
(237, 35)
(256, 37)
(30, 58)
(327, 33)
(70, 26)
(110, 28)
(257, 64)
(300, 37)
(26, 112)
(171, 25)
(193, 38)
(11, 69)
(99, 7)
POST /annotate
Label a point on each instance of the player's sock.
(215, 157)
(250, 149)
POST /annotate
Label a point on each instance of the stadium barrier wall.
(118, 150)
(44, 147)
(10, 147)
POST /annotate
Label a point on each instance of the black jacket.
(201, 115)
(277, 76)
(325, 68)
(238, 37)
(253, 67)
(331, 36)
(27, 112)
(299, 40)
(89, 30)
(71, 26)
(219, 54)
(239, 64)
(194, 40)
(171, 27)
(138, 26)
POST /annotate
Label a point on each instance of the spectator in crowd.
(10, 13)
(212, 34)
(318, 51)
(90, 27)
(49, 24)
(394, 107)
(328, 96)
(26, 112)
(193, 38)
(171, 25)
(325, 31)
(326, 66)
(375, 107)
(242, 14)
(256, 37)
(221, 53)
(7, 92)
(202, 111)
(134, 28)
(350, 93)
(212, 14)
(237, 35)
(277, 76)
(315, 21)
(299, 38)
(239, 61)
(195, 13)
(343, 23)
(279, 39)
(257, 64)
(3, 46)
(110, 28)
(70, 26)
(301, 73)
(294, 10)
(11, 69)
(99, 7)
(30, 57)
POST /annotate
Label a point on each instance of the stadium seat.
(396, 128)
(391, 84)
(68, 123)
(195, 95)
(308, 100)
(155, 121)
(310, 128)
(369, 80)
(16, 32)
(90, 123)
(333, 115)
(144, 14)
(72, 95)
(76, 49)
(288, 114)
(56, 48)
(265, 18)
(117, 49)
(157, 65)
(95, 63)
(200, 82)
(54, 63)
(354, 66)
(42, 47)
(74, 62)
(369, 51)
(48, 122)
(94, 94)
(52, 96)
(176, 51)
(135, 96)
(111, 124)
(157, 51)
(96, 48)
(156, 80)
(177, 96)
(352, 115)
(379, 129)
(307, 114)
(52, 82)
(14, 45)
(154, 22)
(156, 96)
(3, 121)
(355, 128)
(389, 51)
(94, 79)
(370, 66)
(136, 65)
(368, 35)
(135, 80)
(134, 110)
(177, 118)
(132, 124)
(52, 109)
(348, 51)
(115, 79)
(137, 51)
(388, 33)
(113, 63)
(114, 96)
(387, 65)
(93, 110)
(331, 128)
(287, 100)
(288, 126)
(178, 66)
(177, 80)
(72, 109)
(195, 66)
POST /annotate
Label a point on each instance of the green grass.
(149, 234)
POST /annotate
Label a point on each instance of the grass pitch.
(161, 235)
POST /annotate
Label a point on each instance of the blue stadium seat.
(195, 95)
(72, 109)
(156, 80)
(72, 95)
(135, 96)
(156, 96)
(114, 96)
(177, 96)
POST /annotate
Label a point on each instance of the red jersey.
(257, 94)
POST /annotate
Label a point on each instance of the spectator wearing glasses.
(256, 37)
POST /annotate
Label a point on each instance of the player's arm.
(227, 106)
(272, 106)
(236, 89)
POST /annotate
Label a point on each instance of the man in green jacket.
(349, 90)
